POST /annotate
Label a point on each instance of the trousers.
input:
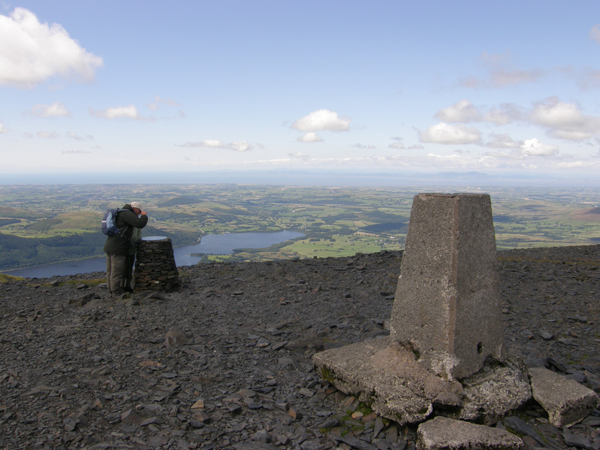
(119, 273)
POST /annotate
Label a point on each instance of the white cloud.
(31, 52)
(56, 109)
(72, 152)
(321, 120)
(397, 145)
(206, 143)
(47, 134)
(363, 146)
(464, 111)
(75, 136)
(461, 111)
(129, 112)
(157, 101)
(298, 155)
(442, 133)
(565, 120)
(240, 146)
(504, 114)
(502, 77)
(502, 141)
(595, 33)
(529, 147)
(310, 137)
(501, 72)
(2, 129)
(533, 147)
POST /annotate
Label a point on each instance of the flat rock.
(442, 433)
(386, 375)
(495, 390)
(566, 401)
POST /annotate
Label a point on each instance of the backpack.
(109, 223)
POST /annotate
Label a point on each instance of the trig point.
(445, 322)
(447, 304)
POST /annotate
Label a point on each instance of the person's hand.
(143, 213)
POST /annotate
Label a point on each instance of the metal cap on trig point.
(447, 305)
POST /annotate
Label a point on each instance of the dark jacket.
(117, 245)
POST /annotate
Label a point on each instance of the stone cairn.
(155, 268)
(444, 363)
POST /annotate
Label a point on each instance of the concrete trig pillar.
(447, 304)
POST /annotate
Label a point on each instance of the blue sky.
(495, 87)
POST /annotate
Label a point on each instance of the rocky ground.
(225, 362)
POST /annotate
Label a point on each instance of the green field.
(50, 223)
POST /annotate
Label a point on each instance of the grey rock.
(522, 427)
(494, 391)
(577, 440)
(443, 433)
(388, 377)
(566, 401)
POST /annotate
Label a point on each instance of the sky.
(508, 87)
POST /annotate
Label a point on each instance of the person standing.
(120, 248)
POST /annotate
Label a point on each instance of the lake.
(212, 244)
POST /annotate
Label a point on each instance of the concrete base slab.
(448, 434)
(495, 390)
(386, 375)
(566, 401)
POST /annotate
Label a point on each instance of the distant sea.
(311, 178)
(212, 244)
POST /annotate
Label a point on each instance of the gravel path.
(226, 361)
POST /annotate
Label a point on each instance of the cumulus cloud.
(238, 146)
(399, 145)
(158, 101)
(503, 114)
(321, 120)
(56, 109)
(564, 120)
(442, 133)
(363, 146)
(310, 137)
(47, 134)
(464, 111)
(529, 147)
(298, 155)
(127, 112)
(501, 72)
(75, 136)
(533, 147)
(2, 129)
(502, 77)
(461, 111)
(206, 143)
(595, 33)
(72, 152)
(31, 52)
(502, 141)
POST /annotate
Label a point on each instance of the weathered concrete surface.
(447, 305)
(495, 390)
(447, 434)
(566, 401)
(387, 376)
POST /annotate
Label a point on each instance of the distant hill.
(587, 215)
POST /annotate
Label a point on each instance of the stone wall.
(155, 268)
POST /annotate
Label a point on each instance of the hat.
(137, 205)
